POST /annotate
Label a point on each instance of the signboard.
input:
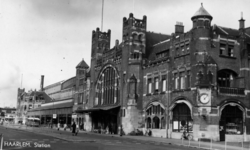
(74, 116)
(54, 116)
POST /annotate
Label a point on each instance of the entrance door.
(222, 130)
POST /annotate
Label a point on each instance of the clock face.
(204, 98)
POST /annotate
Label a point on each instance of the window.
(188, 79)
(135, 55)
(107, 87)
(164, 83)
(155, 116)
(176, 80)
(182, 80)
(230, 50)
(81, 82)
(156, 84)
(149, 86)
(182, 50)
(123, 112)
(206, 23)
(156, 122)
(132, 85)
(80, 98)
(177, 53)
(182, 120)
(187, 47)
(222, 49)
(148, 122)
(200, 23)
(226, 77)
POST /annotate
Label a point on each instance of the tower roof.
(82, 64)
(202, 13)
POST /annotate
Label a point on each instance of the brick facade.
(205, 71)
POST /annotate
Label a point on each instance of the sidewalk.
(203, 145)
(49, 132)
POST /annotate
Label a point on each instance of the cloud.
(66, 10)
(10, 79)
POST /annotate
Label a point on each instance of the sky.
(50, 37)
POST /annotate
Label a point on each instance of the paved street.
(31, 140)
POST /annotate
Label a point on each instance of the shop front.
(231, 125)
(53, 113)
(180, 119)
(102, 119)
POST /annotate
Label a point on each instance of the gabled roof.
(154, 38)
(226, 31)
(202, 13)
(82, 64)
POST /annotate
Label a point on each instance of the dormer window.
(227, 50)
(222, 49)
(230, 50)
(162, 54)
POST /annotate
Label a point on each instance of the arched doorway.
(182, 120)
(155, 113)
(231, 122)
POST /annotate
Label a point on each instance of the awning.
(96, 109)
(68, 104)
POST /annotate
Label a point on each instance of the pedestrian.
(58, 126)
(65, 126)
(77, 129)
(73, 128)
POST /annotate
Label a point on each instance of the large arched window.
(182, 118)
(155, 116)
(107, 87)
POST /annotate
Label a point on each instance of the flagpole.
(21, 80)
(102, 14)
(133, 6)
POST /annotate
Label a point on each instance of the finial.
(201, 4)
(241, 15)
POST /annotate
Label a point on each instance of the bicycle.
(186, 136)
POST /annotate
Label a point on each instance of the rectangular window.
(80, 98)
(176, 78)
(222, 49)
(177, 52)
(156, 84)
(149, 86)
(182, 80)
(230, 50)
(188, 79)
(182, 50)
(187, 47)
(164, 83)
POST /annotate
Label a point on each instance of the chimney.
(116, 43)
(179, 28)
(242, 22)
(42, 80)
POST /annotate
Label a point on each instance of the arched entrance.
(231, 121)
(182, 120)
(155, 116)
